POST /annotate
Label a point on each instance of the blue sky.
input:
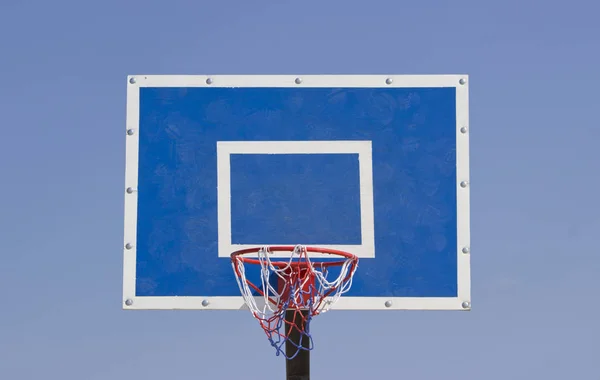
(534, 137)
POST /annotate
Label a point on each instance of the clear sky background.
(535, 134)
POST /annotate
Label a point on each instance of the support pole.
(297, 368)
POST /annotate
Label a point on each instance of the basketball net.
(297, 285)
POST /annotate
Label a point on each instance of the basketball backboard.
(374, 165)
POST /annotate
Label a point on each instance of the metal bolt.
(130, 132)
(463, 184)
(132, 80)
(298, 80)
(129, 302)
(462, 81)
(128, 246)
(466, 305)
(388, 303)
(465, 250)
(209, 81)
(205, 303)
(463, 130)
(129, 190)
(389, 81)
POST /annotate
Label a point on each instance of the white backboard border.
(459, 82)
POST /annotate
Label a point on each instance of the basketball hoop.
(301, 288)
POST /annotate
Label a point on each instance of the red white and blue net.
(295, 284)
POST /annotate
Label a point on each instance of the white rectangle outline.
(134, 83)
(363, 148)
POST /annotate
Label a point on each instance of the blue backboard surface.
(374, 165)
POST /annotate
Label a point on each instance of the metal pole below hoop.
(297, 368)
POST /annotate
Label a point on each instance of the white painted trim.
(463, 194)
(340, 81)
(344, 303)
(131, 181)
(363, 148)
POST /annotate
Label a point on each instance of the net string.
(308, 289)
